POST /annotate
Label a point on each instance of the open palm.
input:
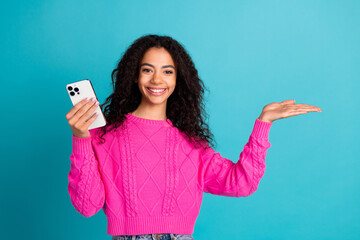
(288, 108)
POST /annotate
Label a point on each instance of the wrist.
(264, 119)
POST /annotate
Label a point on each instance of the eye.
(168, 72)
(146, 70)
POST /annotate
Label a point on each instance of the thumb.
(288, 101)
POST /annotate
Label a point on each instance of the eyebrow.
(165, 66)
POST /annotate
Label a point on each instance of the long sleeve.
(86, 187)
(241, 179)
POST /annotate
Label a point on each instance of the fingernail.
(87, 99)
(93, 99)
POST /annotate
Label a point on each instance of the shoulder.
(192, 142)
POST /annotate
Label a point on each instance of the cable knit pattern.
(173, 169)
(148, 178)
(168, 174)
(85, 187)
(126, 172)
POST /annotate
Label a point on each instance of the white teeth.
(157, 90)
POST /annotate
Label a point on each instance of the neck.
(153, 112)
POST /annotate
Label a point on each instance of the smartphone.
(82, 89)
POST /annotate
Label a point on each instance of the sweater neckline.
(147, 121)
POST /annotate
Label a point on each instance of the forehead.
(157, 56)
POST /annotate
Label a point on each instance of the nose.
(157, 78)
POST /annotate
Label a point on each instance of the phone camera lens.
(72, 93)
(76, 89)
(69, 88)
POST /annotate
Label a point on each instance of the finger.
(88, 113)
(294, 114)
(302, 106)
(306, 105)
(308, 108)
(76, 108)
(77, 116)
(90, 120)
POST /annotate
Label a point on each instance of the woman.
(155, 158)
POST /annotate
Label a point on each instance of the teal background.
(248, 53)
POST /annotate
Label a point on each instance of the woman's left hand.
(288, 108)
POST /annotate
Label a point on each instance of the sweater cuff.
(81, 146)
(261, 129)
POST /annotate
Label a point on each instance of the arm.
(225, 178)
(85, 187)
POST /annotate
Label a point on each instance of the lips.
(156, 88)
(156, 91)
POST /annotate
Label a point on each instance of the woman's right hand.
(79, 113)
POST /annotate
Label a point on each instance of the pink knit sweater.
(148, 178)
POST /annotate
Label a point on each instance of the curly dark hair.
(184, 107)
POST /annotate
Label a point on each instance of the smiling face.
(157, 77)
